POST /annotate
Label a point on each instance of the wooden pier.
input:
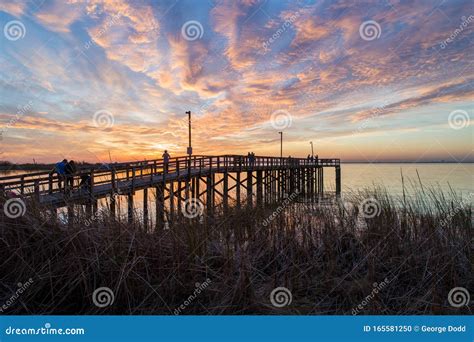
(206, 180)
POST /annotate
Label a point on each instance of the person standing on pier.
(166, 159)
(60, 169)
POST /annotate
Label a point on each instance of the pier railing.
(46, 182)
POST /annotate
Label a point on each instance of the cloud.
(129, 58)
(16, 9)
(58, 15)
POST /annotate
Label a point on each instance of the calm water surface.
(459, 176)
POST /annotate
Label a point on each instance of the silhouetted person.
(166, 160)
(70, 170)
(252, 159)
(60, 170)
(85, 181)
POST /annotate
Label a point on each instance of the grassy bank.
(402, 258)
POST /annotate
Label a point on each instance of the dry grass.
(328, 256)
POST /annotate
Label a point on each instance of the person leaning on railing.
(70, 170)
(60, 170)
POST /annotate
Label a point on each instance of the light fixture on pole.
(312, 150)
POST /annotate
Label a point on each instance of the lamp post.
(189, 152)
(312, 150)
(281, 144)
(190, 149)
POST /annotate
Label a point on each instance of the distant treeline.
(7, 166)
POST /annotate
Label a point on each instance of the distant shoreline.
(407, 162)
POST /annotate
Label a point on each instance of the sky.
(102, 80)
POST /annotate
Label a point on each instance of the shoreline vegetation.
(398, 256)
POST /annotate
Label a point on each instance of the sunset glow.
(85, 79)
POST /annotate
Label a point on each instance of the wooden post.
(226, 191)
(114, 182)
(171, 199)
(113, 203)
(265, 186)
(338, 181)
(318, 185)
(130, 207)
(178, 195)
(316, 181)
(280, 184)
(237, 188)
(292, 181)
(37, 190)
(303, 181)
(70, 214)
(50, 183)
(249, 188)
(209, 194)
(322, 180)
(259, 188)
(91, 186)
(133, 180)
(197, 193)
(160, 206)
(193, 186)
(145, 208)
(274, 185)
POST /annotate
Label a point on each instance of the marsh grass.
(329, 256)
